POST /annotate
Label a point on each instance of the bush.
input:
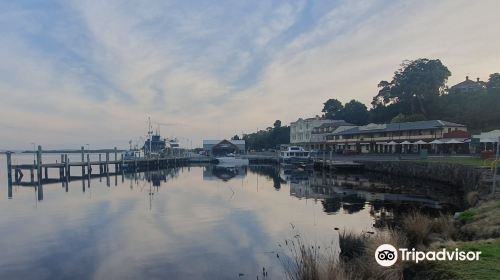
(351, 245)
(417, 227)
(467, 216)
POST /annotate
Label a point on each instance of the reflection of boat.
(225, 173)
(231, 160)
(295, 157)
(295, 174)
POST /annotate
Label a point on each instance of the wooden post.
(46, 173)
(116, 159)
(32, 175)
(61, 168)
(68, 167)
(122, 162)
(39, 163)
(107, 162)
(9, 174)
(100, 165)
(83, 158)
(89, 167)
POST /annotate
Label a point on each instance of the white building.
(301, 130)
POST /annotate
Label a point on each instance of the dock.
(109, 163)
(330, 164)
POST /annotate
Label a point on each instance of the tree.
(269, 138)
(493, 84)
(408, 118)
(235, 137)
(331, 108)
(415, 85)
(355, 112)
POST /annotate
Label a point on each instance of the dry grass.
(306, 262)
(485, 223)
(351, 245)
(417, 227)
(422, 230)
(472, 198)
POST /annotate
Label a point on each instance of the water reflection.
(207, 222)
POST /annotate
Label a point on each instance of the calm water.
(187, 223)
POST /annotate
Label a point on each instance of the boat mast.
(150, 134)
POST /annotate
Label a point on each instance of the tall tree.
(331, 108)
(493, 84)
(235, 137)
(414, 85)
(355, 112)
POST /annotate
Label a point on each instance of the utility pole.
(496, 167)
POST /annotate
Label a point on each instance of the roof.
(215, 142)
(468, 84)
(398, 127)
(334, 123)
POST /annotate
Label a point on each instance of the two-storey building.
(401, 137)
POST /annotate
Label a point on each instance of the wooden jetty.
(101, 166)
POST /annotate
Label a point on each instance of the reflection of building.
(223, 147)
(224, 173)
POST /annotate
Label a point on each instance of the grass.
(486, 268)
(482, 221)
(311, 262)
(467, 215)
(477, 162)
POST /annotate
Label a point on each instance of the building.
(468, 86)
(318, 134)
(407, 137)
(223, 147)
(301, 130)
(486, 141)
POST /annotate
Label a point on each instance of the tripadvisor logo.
(387, 255)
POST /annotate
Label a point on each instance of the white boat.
(295, 156)
(231, 160)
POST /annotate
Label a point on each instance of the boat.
(231, 160)
(295, 157)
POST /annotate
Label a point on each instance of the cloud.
(93, 71)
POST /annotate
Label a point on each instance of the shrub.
(351, 245)
(467, 216)
(417, 227)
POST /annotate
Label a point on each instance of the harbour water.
(194, 222)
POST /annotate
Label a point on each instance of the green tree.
(355, 112)
(493, 84)
(331, 108)
(408, 118)
(235, 137)
(415, 85)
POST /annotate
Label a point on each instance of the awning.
(436, 142)
(453, 141)
(381, 143)
(405, 143)
(488, 140)
(392, 143)
(420, 142)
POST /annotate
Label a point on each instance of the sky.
(91, 72)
